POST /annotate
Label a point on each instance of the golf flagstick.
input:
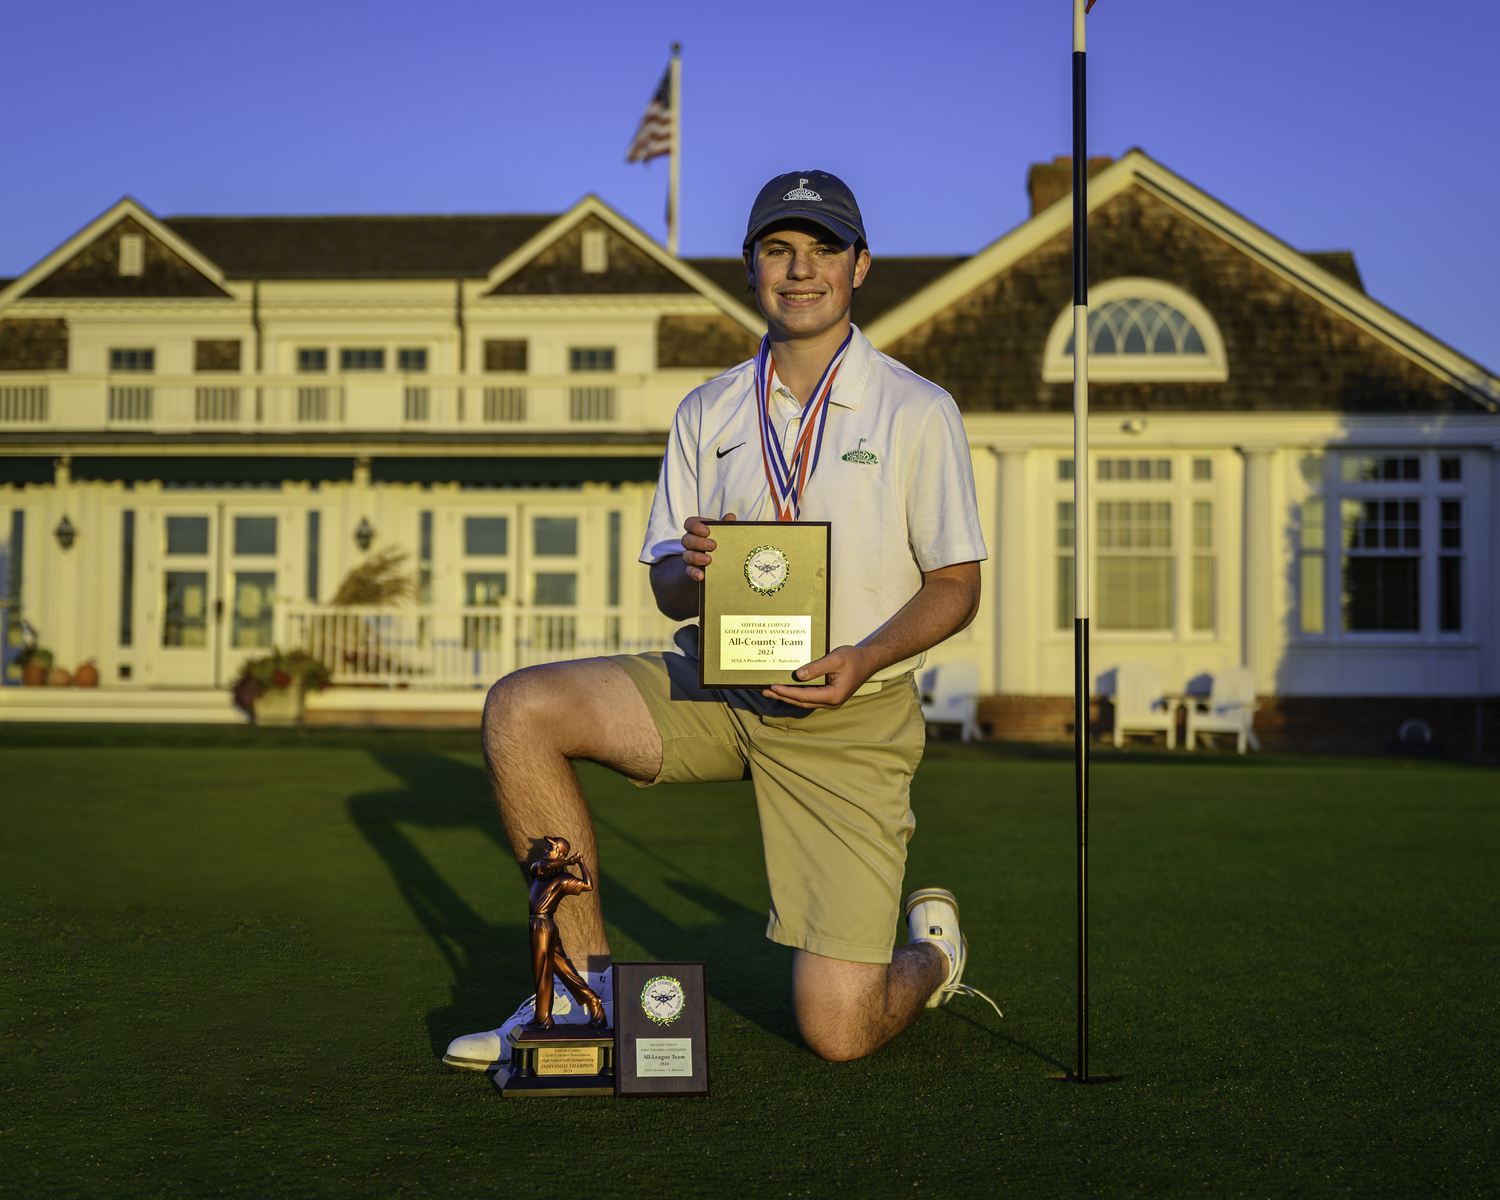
(1081, 533)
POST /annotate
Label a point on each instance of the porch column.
(61, 576)
(1258, 569)
(1012, 645)
(1486, 571)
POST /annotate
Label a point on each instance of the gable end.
(1285, 350)
(94, 271)
(557, 270)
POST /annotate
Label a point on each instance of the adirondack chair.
(1229, 708)
(950, 696)
(1140, 706)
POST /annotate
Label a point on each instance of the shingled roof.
(890, 281)
(359, 247)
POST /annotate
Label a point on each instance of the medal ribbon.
(788, 480)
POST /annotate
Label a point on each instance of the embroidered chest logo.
(802, 192)
(865, 458)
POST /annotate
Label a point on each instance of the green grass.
(229, 963)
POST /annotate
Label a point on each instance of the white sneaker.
(932, 916)
(489, 1051)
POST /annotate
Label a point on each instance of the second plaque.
(763, 603)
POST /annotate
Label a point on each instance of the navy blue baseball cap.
(813, 196)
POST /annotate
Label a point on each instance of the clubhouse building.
(207, 422)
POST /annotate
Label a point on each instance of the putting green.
(229, 963)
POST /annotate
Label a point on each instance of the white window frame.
(1181, 490)
(1210, 367)
(507, 564)
(1431, 491)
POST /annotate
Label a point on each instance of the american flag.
(653, 137)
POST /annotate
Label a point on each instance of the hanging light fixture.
(363, 535)
(65, 533)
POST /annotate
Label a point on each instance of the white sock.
(599, 981)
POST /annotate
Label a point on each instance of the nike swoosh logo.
(722, 453)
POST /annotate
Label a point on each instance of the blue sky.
(1367, 127)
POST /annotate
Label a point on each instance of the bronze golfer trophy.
(663, 1018)
(548, 1059)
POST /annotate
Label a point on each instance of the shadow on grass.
(1025, 1047)
(489, 960)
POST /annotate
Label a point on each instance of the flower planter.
(279, 706)
(34, 675)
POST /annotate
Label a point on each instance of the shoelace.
(963, 989)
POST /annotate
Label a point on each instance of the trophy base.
(546, 1087)
(568, 1060)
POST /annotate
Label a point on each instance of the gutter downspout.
(463, 341)
(260, 409)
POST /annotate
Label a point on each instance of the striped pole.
(1081, 687)
(1081, 523)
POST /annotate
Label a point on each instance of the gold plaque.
(763, 603)
(567, 1060)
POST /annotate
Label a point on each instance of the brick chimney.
(1049, 182)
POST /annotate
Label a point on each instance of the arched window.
(1140, 329)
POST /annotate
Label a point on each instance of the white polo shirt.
(894, 480)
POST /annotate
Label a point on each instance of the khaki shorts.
(833, 791)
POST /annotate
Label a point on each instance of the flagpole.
(1081, 688)
(675, 170)
(1081, 523)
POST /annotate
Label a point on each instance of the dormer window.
(132, 253)
(595, 252)
(1140, 329)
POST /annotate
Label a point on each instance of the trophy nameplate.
(763, 603)
(661, 1029)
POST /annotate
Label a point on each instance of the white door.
(482, 576)
(258, 574)
(183, 598)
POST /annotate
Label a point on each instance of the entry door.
(257, 578)
(479, 548)
(183, 607)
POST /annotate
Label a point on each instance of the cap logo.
(802, 192)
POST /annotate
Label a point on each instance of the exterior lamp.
(65, 533)
(363, 535)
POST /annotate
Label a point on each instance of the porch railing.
(310, 403)
(447, 647)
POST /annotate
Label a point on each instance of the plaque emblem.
(766, 569)
(662, 999)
